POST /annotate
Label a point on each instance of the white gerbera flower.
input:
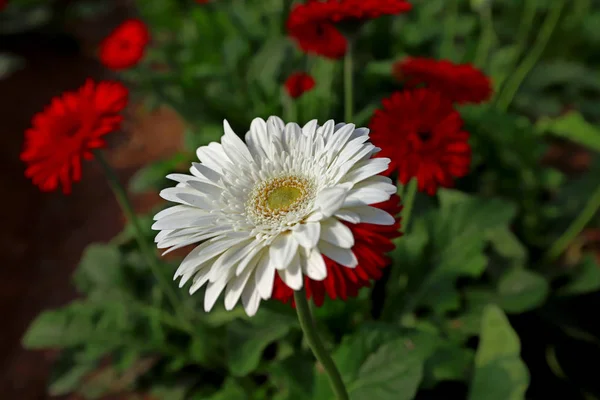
(272, 205)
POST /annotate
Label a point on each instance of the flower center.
(283, 197)
(279, 199)
(424, 136)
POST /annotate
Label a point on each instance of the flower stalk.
(348, 82)
(312, 338)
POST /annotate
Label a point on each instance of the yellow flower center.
(274, 198)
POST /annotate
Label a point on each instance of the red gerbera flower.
(125, 46)
(421, 133)
(461, 83)
(68, 129)
(312, 24)
(202, 1)
(298, 83)
(371, 243)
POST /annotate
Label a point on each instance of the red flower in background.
(68, 129)
(421, 133)
(312, 24)
(125, 46)
(298, 83)
(371, 242)
(202, 1)
(461, 83)
(3, 3)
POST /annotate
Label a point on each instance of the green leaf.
(169, 393)
(450, 362)
(574, 127)
(293, 377)
(10, 63)
(500, 374)
(230, 391)
(265, 66)
(69, 326)
(69, 382)
(585, 279)
(151, 176)
(393, 372)
(508, 245)
(379, 350)
(247, 341)
(194, 138)
(521, 290)
(99, 270)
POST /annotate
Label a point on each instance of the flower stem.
(575, 228)
(513, 85)
(348, 99)
(487, 36)
(126, 206)
(410, 193)
(312, 337)
(447, 46)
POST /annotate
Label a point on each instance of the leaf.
(169, 393)
(586, 278)
(507, 245)
(450, 362)
(247, 341)
(69, 382)
(293, 377)
(572, 126)
(393, 372)
(151, 176)
(500, 374)
(264, 68)
(99, 270)
(202, 137)
(230, 391)
(379, 350)
(521, 290)
(69, 326)
(10, 63)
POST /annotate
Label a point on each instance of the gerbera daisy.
(125, 46)
(68, 130)
(422, 134)
(371, 243)
(273, 204)
(313, 25)
(461, 83)
(299, 83)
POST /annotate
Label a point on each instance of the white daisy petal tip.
(275, 201)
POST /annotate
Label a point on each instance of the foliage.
(471, 262)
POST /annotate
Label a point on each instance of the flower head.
(68, 130)
(299, 83)
(422, 134)
(273, 204)
(3, 4)
(461, 83)
(125, 46)
(313, 25)
(371, 243)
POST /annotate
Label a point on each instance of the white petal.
(176, 222)
(214, 289)
(249, 261)
(341, 256)
(224, 262)
(214, 157)
(265, 276)
(200, 279)
(209, 249)
(349, 216)
(364, 196)
(170, 194)
(235, 147)
(335, 232)
(292, 275)
(366, 169)
(315, 267)
(250, 299)
(307, 234)
(202, 171)
(235, 287)
(378, 182)
(197, 200)
(205, 188)
(257, 139)
(372, 215)
(172, 210)
(282, 250)
(330, 200)
(339, 139)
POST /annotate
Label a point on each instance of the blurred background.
(47, 47)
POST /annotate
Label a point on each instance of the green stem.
(289, 108)
(312, 337)
(586, 215)
(513, 85)
(348, 99)
(126, 206)
(447, 46)
(487, 36)
(407, 203)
